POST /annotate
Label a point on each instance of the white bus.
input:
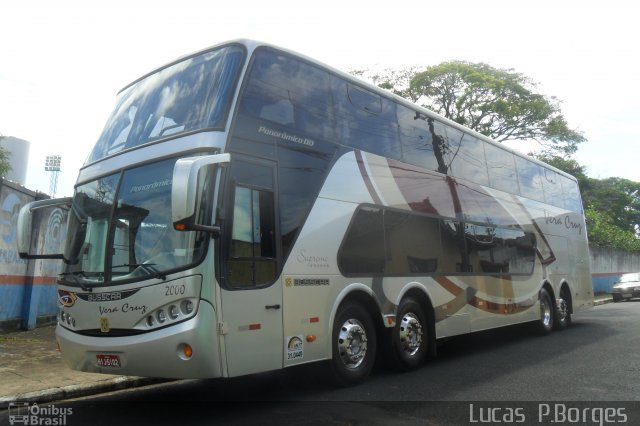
(249, 209)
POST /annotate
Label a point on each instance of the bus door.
(251, 297)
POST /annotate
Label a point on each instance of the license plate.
(108, 361)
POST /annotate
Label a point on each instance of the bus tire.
(354, 344)
(563, 312)
(544, 325)
(409, 337)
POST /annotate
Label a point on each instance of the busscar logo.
(23, 413)
(107, 297)
(67, 298)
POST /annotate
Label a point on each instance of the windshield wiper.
(149, 268)
(82, 274)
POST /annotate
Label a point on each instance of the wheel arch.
(363, 295)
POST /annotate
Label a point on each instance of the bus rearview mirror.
(57, 209)
(186, 192)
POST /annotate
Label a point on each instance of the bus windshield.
(190, 95)
(120, 229)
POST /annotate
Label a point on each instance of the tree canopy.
(499, 103)
(5, 166)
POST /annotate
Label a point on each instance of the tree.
(612, 206)
(5, 166)
(498, 103)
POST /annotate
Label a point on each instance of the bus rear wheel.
(409, 338)
(563, 312)
(545, 324)
(354, 344)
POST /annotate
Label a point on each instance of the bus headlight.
(187, 307)
(173, 312)
(168, 314)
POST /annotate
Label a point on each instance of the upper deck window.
(190, 95)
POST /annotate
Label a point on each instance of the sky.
(62, 63)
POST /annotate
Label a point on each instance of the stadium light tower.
(52, 164)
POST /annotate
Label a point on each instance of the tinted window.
(469, 163)
(190, 95)
(416, 139)
(451, 146)
(365, 120)
(571, 194)
(530, 176)
(552, 188)
(502, 169)
(362, 251)
(364, 100)
(422, 245)
(413, 243)
(499, 251)
(287, 93)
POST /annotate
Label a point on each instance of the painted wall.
(607, 265)
(27, 288)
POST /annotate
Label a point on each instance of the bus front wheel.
(354, 344)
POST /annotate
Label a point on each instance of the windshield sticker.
(295, 349)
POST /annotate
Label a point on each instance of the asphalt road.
(595, 363)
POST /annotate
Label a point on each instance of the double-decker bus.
(248, 209)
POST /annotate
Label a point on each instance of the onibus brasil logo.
(23, 413)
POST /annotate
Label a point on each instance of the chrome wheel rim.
(352, 343)
(411, 334)
(545, 312)
(563, 310)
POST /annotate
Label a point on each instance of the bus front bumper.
(158, 353)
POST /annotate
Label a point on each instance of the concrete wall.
(27, 288)
(607, 265)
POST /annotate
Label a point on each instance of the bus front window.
(188, 96)
(121, 229)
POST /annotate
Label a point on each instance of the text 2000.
(174, 290)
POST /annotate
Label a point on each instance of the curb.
(76, 391)
(602, 302)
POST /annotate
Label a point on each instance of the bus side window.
(362, 251)
(530, 176)
(502, 169)
(289, 92)
(469, 162)
(571, 194)
(552, 188)
(365, 120)
(416, 139)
